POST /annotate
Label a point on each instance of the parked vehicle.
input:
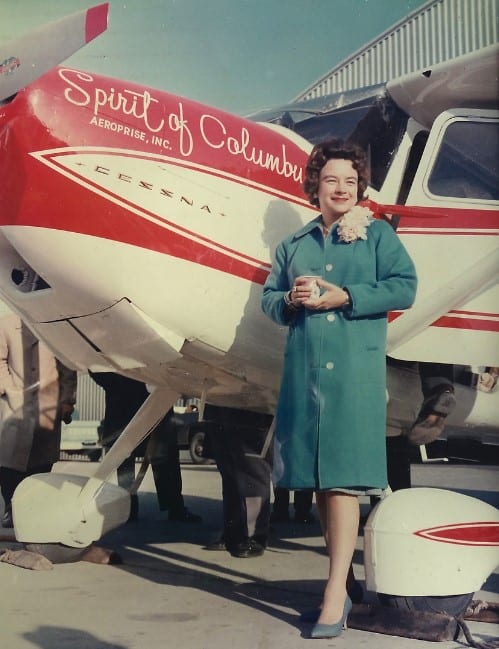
(191, 434)
(81, 438)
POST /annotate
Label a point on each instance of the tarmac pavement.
(170, 592)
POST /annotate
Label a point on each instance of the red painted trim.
(96, 21)
(477, 313)
(264, 189)
(432, 232)
(448, 219)
(477, 321)
(86, 213)
(451, 322)
(473, 534)
(157, 217)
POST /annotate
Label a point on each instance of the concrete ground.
(170, 592)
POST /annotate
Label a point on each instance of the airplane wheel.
(453, 605)
(56, 552)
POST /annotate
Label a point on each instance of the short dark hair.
(334, 149)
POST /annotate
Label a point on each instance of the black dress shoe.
(430, 421)
(184, 516)
(7, 520)
(216, 546)
(247, 549)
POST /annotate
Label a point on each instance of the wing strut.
(457, 291)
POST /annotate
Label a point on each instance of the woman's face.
(338, 182)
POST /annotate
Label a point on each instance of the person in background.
(437, 386)
(37, 392)
(123, 397)
(242, 450)
(302, 505)
(332, 283)
(163, 453)
(487, 380)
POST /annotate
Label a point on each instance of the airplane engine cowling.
(430, 542)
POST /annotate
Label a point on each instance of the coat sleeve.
(275, 288)
(396, 282)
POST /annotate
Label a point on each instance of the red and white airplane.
(137, 227)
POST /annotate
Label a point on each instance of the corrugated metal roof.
(437, 31)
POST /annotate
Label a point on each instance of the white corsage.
(353, 225)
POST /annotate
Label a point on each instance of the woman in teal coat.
(332, 283)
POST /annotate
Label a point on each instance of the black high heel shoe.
(355, 592)
(333, 630)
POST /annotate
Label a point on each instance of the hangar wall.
(437, 31)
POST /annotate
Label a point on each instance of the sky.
(237, 55)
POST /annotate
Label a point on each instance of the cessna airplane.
(137, 228)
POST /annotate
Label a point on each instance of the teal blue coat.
(331, 413)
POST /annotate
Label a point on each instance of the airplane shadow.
(171, 568)
(144, 547)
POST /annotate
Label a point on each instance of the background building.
(437, 31)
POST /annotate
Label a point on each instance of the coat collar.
(314, 224)
(311, 225)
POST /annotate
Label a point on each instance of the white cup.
(314, 287)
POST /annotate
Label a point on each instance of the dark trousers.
(302, 501)
(126, 472)
(11, 478)
(163, 453)
(243, 458)
(165, 463)
(398, 462)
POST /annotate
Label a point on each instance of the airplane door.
(457, 253)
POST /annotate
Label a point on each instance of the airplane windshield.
(369, 118)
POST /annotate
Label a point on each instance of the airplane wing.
(24, 59)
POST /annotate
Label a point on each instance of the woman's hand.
(332, 297)
(304, 289)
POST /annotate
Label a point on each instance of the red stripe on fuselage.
(450, 321)
(69, 206)
(482, 533)
(73, 208)
(440, 220)
(478, 321)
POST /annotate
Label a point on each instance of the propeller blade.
(25, 59)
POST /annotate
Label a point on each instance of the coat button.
(329, 266)
(330, 365)
(331, 317)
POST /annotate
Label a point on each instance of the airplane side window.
(467, 164)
